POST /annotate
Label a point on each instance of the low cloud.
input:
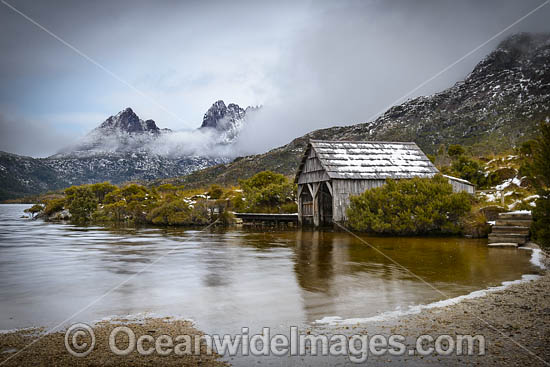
(30, 137)
(356, 59)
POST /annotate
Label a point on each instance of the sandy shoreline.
(515, 323)
(50, 349)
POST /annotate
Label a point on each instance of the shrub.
(469, 169)
(54, 206)
(541, 220)
(540, 169)
(226, 218)
(215, 192)
(129, 203)
(200, 213)
(173, 212)
(100, 190)
(81, 202)
(409, 207)
(456, 150)
(289, 208)
(267, 192)
(35, 209)
(475, 224)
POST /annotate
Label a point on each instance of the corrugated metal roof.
(372, 160)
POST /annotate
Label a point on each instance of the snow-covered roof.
(370, 159)
(458, 179)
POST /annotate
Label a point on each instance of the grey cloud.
(356, 59)
(33, 138)
(312, 64)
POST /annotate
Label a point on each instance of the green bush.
(541, 220)
(130, 203)
(226, 217)
(171, 213)
(267, 192)
(81, 202)
(410, 207)
(469, 169)
(35, 209)
(200, 214)
(54, 206)
(475, 224)
(215, 192)
(100, 190)
(456, 150)
(540, 169)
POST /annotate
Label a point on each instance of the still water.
(227, 279)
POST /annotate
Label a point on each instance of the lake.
(225, 279)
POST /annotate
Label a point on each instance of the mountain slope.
(498, 105)
(21, 176)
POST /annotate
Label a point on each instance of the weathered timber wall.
(343, 189)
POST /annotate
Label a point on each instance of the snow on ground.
(520, 212)
(512, 181)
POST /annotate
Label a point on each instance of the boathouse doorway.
(325, 204)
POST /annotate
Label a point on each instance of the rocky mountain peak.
(127, 121)
(219, 115)
(522, 50)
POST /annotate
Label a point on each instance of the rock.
(61, 215)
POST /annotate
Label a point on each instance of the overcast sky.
(312, 64)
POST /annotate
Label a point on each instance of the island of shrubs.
(168, 204)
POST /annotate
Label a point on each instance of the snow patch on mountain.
(126, 133)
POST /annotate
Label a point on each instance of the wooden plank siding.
(343, 189)
(313, 170)
(459, 186)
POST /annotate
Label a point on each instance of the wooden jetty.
(267, 219)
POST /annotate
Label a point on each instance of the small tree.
(268, 192)
(81, 202)
(54, 205)
(456, 150)
(100, 190)
(540, 169)
(469, 169)
(215, 192)
(35, 209)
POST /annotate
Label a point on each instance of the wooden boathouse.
(331, 171)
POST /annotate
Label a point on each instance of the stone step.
(510, 229)
(508, 238)
(513, 222)
(514, 216)
(503, 244)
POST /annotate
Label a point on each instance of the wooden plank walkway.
(266, 217)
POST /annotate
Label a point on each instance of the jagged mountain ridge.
(498, 105)
(125, 133)
(219, 115)
(128, 121)
(122, 148)
(227, 120)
